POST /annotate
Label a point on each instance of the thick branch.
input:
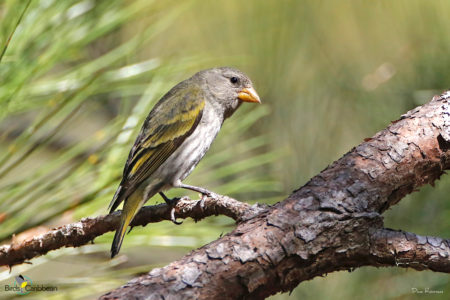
(408, 250)
(325, 226)
(80, 233)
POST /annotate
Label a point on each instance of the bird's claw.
(202, 201)
(213, 195)
(208, 195)
(171, 203)
(173, 218)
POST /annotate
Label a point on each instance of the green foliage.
(77, 84)
(78, 77)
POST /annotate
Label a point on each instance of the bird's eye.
(234, 80)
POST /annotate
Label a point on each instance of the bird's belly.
(183, 161)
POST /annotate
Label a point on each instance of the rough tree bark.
(332, 223)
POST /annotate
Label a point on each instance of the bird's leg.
(205, 193)
(200, 190)
(171, 203)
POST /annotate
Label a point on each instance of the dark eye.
(234, 80)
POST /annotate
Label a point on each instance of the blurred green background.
(79, 77)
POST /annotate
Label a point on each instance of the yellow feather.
(176, 127)
(141, 160)
(130, 208)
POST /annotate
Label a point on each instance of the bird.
(175, 136)
(22, 282)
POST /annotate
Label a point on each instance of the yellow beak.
(249, 95)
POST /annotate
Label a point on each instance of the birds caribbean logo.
(22, 282)
(175, 136)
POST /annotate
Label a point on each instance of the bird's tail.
(130, 208)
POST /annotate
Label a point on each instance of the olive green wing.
(170, 122)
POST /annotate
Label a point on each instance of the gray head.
(228, 87)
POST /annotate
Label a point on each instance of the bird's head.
(228, 87)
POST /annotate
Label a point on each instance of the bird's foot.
(173, 218)
(204, 192)
(171, 202)
(207, 195)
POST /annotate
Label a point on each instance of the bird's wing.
(169, 123)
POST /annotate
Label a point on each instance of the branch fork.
(334, 222)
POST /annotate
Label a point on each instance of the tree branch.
(332, 223)
(83, 232)
(408, 250)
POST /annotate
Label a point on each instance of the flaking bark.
(332, 223)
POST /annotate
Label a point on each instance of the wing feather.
(170, 122)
